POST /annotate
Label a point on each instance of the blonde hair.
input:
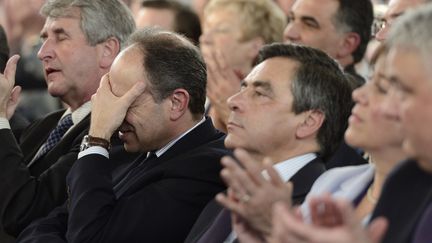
(259, 18)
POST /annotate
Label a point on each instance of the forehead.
(163, 18)
(277, 71)
(126, 70)
(408, 67)
(221, 14)
(321, 10)
(397, 7)
(70, 24)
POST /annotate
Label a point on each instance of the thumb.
(377, 229)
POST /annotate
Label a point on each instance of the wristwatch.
(89, 141)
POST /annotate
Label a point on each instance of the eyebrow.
(259, 84)
(57, 31)
(395, 15)
(310, 19)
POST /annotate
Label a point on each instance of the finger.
(220, 60)
(132, 94)
(15, 94)
(292, 226)
(212, 69)
(251, 165)
(229, 203)
(10, 69)
(13, 102)
(324, 212)
(236, 177)
(274, 176)
(104, 85)
(377, 229)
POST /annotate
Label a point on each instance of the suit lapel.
(304, 179)
(63, 147)
(202, 134)
(33, 138)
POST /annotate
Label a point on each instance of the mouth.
(232, 124)
(125, 129)
(49, 71)
(354, 118)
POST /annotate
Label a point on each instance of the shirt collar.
(79, 114)
(165, 148)
(288, 168)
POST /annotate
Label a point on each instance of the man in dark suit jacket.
(158, 103)
(293, 109)
(33, 172)
(403, 211)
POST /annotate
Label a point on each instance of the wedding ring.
(245, 198)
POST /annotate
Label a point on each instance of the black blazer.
(32, 190)
(405, 196)
(302, 181)
(344, 155)
(159, 206)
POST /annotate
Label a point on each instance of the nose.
(381, 35)
(359, 95)
(205, 38)
(291, 33)
(46, 51)
(235, 102)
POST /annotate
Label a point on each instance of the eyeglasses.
(379, 24)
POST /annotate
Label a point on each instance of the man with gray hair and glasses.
(81, 39)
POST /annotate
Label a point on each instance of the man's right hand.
(108, 110)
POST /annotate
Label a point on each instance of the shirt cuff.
(4, 123)
(94, 150)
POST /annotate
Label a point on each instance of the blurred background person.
(169, 15)
(233, 33)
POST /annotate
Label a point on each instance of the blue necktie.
(55, 135)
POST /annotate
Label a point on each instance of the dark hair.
(4, 49)
(357, 16)
(186, 21)
(172, 62)
(318, 84)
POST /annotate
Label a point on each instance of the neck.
(384, 161)
(282, 155)
(346, 61)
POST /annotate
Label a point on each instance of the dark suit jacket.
(32, 191)
(159, 206)
(344, 155)
(302, 181)
(405, 196)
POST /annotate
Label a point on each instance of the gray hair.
(413, 30)
(100, 19)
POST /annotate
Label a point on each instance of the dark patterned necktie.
(219, 230)
(55, 135)
(133, 174)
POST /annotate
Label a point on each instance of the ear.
(349, 44)
(179, 100)
(311, 124)
(109, 50)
